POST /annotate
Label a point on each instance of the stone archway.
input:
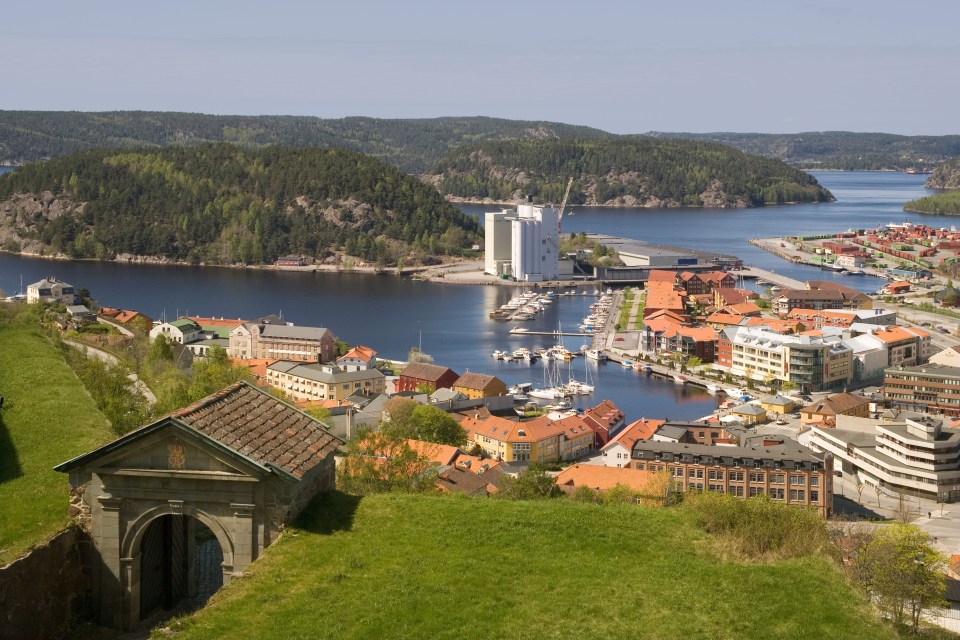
(174, 529)
(184, 471)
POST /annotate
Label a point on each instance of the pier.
(522, 331)
(769, 276)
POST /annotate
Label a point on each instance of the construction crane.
(563, 205)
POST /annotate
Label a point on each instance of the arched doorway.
(181, 565)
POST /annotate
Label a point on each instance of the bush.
(759, 528)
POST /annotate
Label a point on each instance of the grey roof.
(780, 400)
(443, 394)
(48, 282)
(672, 431)
(748, 410)
(788, 453)
(297, 333)
(74, 309)
(930, 369)
(328, 374)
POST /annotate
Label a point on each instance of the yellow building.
(477, 385)
(537, 440)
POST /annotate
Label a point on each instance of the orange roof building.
(603, 478)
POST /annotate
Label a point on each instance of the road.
(137, 384)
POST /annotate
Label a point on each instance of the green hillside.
(223, 204)
(946, 177)
(635, 171)
(47, 417)
(407, 566)
(409, 144)
(843, 150)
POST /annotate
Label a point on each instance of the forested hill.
(411, 144)
(843, 150)
(947, 178)
(221, 204)
(636, 171)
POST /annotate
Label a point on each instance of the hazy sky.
(623, 66)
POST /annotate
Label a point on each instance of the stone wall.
(43, 592)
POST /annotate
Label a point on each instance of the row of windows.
(755, 477)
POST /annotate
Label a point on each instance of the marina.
(450, 322)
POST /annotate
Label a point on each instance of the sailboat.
(19, 295)
(576, 387)
(552, 389)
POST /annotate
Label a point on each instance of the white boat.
(855, 272)
(737, 393)
(577, 388)
(679, 379)
(519, 330)
(712, 387)
(551, 393)
(595, 354)
(499, 355)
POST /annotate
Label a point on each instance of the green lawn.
(47, 418)
(407, 566)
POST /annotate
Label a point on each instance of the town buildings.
(820, 294)
(905, 452)
(319, 381)
(844, 318)
(813, 363)
(788, 473)
(825, 412)
(424, 376)
(931, 388)
(271, 337)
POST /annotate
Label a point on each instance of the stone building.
(224, 475)
(281, 341)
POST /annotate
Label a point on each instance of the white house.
(51, 290)
(181, 331)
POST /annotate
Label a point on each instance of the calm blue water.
(450, 321)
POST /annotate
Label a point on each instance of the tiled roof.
(601, 478)
(477, 381)
(836, 404)
(260, 427)
(639, 430)
(442, 454)
(659, 275)
(359, 352)
(424, 371)
(890, 335)
(217, 322)
(459, 481)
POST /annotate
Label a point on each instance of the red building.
(426, 376)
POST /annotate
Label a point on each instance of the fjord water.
(450, 322)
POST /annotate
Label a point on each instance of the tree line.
(223, 204)
(674, 172)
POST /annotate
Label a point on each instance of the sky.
(624, 66)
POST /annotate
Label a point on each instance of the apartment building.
(315, 381)
(820, 295)
(843, 318)
(906, 452)
(788, 473)
(273, 338)
(929, 388)
(811, 362)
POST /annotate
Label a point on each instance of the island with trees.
(947, 178)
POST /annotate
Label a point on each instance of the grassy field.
(47, 418)
(406, 566)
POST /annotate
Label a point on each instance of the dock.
(771, 277)
(522, 331)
